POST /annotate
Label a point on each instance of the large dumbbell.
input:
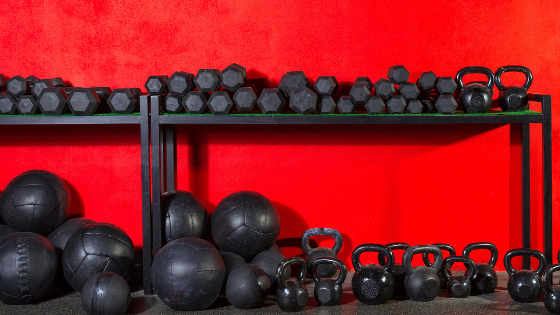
(303, 100)
(83, 101)
(233, 77)
(271, 101)
(53, 101)
(245, 98)
(122, 101)
(18, 86)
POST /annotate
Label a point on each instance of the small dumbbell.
(233, 77)
(303, 100)
(7, 104)
(325, 86)
(27, 105)
(195, 102)
(291, 81)
(207, 80)
(180, 83)
(122, 101)
(271, 101)
(156, 85)
(220, 103)
(53, 101)
(18, 86)
(83, 101)
(245, 98)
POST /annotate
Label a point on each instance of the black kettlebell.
(324, 270)
(422, 282)
(525, 285)
(398, 271)
(513, 98)
(328, 292)
(485, 280)
(475, 97)
(552, 293)
(291, 295)
(459, 286)
(373, 284)
(426, 258)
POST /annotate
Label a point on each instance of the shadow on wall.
(77, 208)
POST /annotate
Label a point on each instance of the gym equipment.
(156, 85)
(5, 230)
(94, 248)
(58, 82)
(271, 101)
(196, 278)
(365, 80)
(180, 83)
(276, 248)
(345, 105)
(137, 92)
(220, 103)
(474, 97)
(525, 286)
(233, 77)
(326, 85)
(103, 93)
(231, 260)
(384, 88)
(485, 280)
(303, 100)
(28, 267)
(247, 286)
(122, 101)
(326, 105)
(397, 272)
(328, 292)
(207, 80)
(268, 261)
(427, 81)
(324, 270)
(35, 201)
(173, 104)
(414, 107)
(409, 91)
(52, 101)
(291, 81)
(32, 80)
(513, 98)
(245, 223)
(195, 102)
(396, 104)
(291, 295)
(375, 105)
(446, 85)
(83, 101)
(245, 98)
(425, 257)
(27, 105)
(428, 107)
(7, 104)
(446, 104)
(398, 74)
(373, 284)
(359, 93)
(459, 286)
(185, 215)
(60, 236)
(552, 293)
(69, 90)
(40, 85)
(18, 86)
(422, 283)
(106, 293)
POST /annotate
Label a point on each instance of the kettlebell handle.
(392, 247)
(483, 245)
(288, 262)
(418, 249)
(328, 260)
(528, 76)
(469, 263)
(524, 252)
(448, 248)
(321, 231)
(388, 266)
(482, 70)
(548, 276)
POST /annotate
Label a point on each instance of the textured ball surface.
(247, 286)
(61, 235)
(188, 273)
(106, 293)
(185, 216)
(27, 267)
(268, 260)
(35, 201)
(95, 248)
(245, 223)
(5, 230)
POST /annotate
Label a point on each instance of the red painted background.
(418, 184)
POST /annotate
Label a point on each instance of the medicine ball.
(5, 230)
(60, 236)
(27, 267)
(231, 260)
(35, 201)
(188, 273)
(185, 216)
(106, 293)
(245, 223)
(269, 260)
(95, 248)
(247, 286)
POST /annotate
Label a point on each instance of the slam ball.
(185, 216)
(188, 273)
(106, 293)
(27, 267)
(5, 230)
(245, 223)
(247, 286)
(95, 248)
(35, 201)
(60, 236)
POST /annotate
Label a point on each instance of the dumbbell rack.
(163, 153)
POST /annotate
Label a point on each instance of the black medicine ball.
(5, 230)
(60, 236)
(185, 216)
(106, 293)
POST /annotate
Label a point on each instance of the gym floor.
(67, 302)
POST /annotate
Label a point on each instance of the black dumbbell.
(245, 98)
(83, 101)
(122, 101)
(103, 93)
(53, 101)
(220, 103)
(446, 85)
(291, 81)
(207, 80)
(271, 101)
(345, 105)
(398, 75)
(233, 77)
(27, 105)
(359, 93)
(396, 104)
(173, 104)
(303, 100)
(446, 104)
(326, 104)
(7, 104)
(18, 86)
(58, 82)
(325, 85)
(180, 83)
(156, 85)
(375, 105)
(414, 107)
(195, 102)
(384, 88)
(39, 86)
(32, 80)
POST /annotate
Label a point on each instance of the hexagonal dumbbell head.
(365, 80)
(293, 80)
(398, 74)
(102, 92)
(207, 80)
(326, 105)
(156, 85)
(180, 83)
(409, 91)
(446, 104)
(137, 92)
(427, 106)
(271, 101)
(52, 101)
(195, 102)
(240, 67)
(7, 104)
(359, 93)
(245, 99)
(427, 80)
(173, 104)
(325, 85)
(345, 105)
(27, 105)
(414, 107)
(68, 90)
(220, 103)
(446, 85)
(83, 101)
(122, 101)
(32, 80)
(58, 82)
(396, 104)
(375, 105)
(303, 100)
(39, 86)
(17, 86)
(384, 88)
(233, 77)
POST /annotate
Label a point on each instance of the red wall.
(419, 184)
